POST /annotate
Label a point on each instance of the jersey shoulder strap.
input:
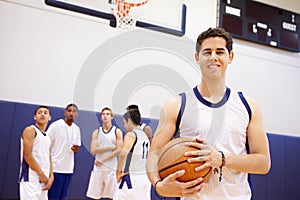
(243, 99)
(179, 116)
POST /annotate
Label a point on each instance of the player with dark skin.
(71, 113)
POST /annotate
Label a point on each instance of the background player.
(36, 175)
(131, 171)
(65, 142)
(106, 144)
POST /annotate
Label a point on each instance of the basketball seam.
(165, 168)
(207, 173)
(170, 147)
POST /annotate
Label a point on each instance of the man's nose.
(213, 55)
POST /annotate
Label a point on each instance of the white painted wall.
(45, 54)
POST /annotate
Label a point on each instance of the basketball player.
(131, 171)
(106, 144)
(147, 129)
(36, 176)
(222, 121)
(65, 142)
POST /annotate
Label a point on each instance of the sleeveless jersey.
(106, 139)
(136, 159)
(40, 152)
(224, 126)
(142, 126)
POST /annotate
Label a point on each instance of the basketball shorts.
(133, 187)
(102, 184)
(32, 191)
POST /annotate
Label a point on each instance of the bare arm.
(257, 161)
(51, 175)
(28, 139)
(129, 140)
(164, 133)
(94, 145)
(148, 131)
(119, 144)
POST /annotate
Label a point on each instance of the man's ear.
(197, 57)
(231, 55)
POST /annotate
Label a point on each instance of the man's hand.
(119, 175)
(98, 163)
(75, 148)
(171, 187)
(49, 183)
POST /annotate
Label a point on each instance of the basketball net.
(125, 18)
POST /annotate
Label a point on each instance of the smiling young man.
(224, 124)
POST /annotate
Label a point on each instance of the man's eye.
(206, 53)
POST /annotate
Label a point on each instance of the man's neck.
(107, 126)
(135, 127)
(42, 127)
(68, 122)
(212, 92)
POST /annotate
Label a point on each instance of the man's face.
(42, 116)
(71, 113)
(128, 125)
(213, 58)
(106, 116)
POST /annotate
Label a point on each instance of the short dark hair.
(73, 105)
(134, 115)
(42, 106)
(214, 32)
(132, 106)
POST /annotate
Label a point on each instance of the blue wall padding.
(280, 183)
(292, 173)
(7, 112)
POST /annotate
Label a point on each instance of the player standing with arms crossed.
(106, 144)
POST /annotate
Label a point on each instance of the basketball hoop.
(125, 18)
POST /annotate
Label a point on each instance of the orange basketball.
(172, 159)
